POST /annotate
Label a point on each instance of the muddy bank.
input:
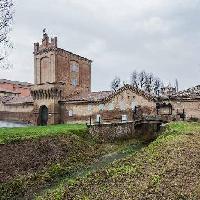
(30, 156)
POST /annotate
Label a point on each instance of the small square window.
(70, 113)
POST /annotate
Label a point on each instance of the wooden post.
(90, 120)
(183, 114)
(157, 109)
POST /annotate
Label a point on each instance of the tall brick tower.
(53, 64)
(58, 74)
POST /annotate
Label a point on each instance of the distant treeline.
(143, 80)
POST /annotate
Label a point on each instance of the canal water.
(5, 124)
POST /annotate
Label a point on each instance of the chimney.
(54, 42)
(36, 47)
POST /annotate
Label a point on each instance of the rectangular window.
(101, 107)
(122, 105)
(133, 105)
(89, 108)
(74, 82)
(124, 118)
(111, 106)
(98, 118)
(70, 113)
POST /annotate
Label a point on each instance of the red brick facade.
(53, 65)
(58, 75)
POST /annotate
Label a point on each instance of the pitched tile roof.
(15, 82)
(193, 91)
(8, 91)
(93, 96)
(106, 95)
(190, 93)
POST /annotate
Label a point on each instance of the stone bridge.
(145, 130)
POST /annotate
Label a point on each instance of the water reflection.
(4, 124)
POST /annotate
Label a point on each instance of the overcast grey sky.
(159, 36)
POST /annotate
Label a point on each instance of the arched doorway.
(43, 116)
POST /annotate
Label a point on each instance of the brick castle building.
(61, 93)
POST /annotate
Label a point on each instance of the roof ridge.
(15, 82)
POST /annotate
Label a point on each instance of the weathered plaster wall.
(16, 116)
(119, 105)
(16, 107)
(16, 112)
(192, 108)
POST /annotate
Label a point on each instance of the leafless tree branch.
(6, 19)
(115, 84)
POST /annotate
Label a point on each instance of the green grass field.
(8, 135)
(167, 169)
(60, 152)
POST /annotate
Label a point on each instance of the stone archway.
(43, 116)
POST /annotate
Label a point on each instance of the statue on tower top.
(44, 31)
(45, 39)
(45, 35)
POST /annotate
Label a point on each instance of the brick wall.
(52, 64)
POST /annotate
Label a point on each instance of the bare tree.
(149, 78)
(115, 84)
(134, 79)
(157, 86)
(147, 82)
(142, 79)
(6, 18)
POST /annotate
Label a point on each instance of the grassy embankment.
(8, 135)
(169, 168)
(35, 158)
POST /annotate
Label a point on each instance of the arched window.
(45, 70)
(74, 73)
(74, 67)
